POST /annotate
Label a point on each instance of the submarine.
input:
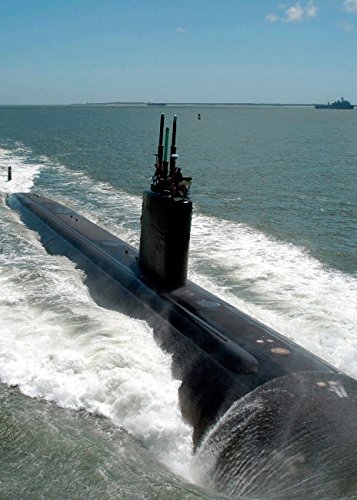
(270, 419)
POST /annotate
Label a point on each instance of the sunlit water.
(274, 233)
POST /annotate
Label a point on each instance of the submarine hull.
(224, 358)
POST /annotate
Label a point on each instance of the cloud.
(181, 30)
(296, 13)
(350, 6)
(311, 9)
(272, 18)
(348, 27)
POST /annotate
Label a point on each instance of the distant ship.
(340, 104)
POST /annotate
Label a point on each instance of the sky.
(272, 51)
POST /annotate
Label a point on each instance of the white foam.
(57, 344)
(24, 172)
(280, 285)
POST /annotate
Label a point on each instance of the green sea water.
(88, 406)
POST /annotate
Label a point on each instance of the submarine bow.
(267, 415)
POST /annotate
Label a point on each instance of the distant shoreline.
(138, 104)
(187, 104)
(167, 104)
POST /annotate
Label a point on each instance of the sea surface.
(88, 405)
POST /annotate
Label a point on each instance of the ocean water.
(89, 408)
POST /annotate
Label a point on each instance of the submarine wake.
(57, 344)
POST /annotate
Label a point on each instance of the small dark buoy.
(9, 174)
(199, 116)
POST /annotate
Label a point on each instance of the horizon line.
(158, 104)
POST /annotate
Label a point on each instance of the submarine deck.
(242, 344)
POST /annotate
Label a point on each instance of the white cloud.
(272, 18)
(296, 13)
(181, 30)
(350, 6)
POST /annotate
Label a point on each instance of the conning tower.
(166, 218)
